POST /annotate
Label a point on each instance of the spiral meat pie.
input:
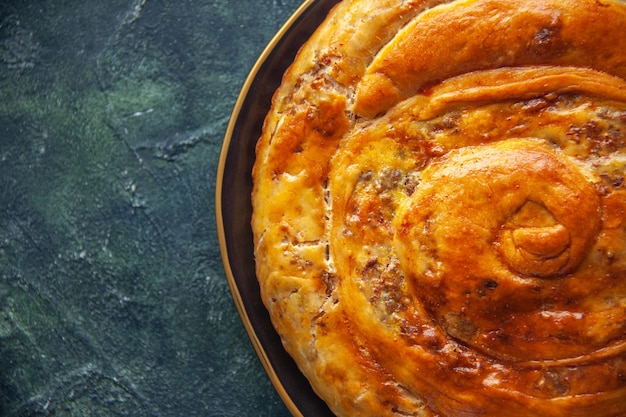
(439, 208)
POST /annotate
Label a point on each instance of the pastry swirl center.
(483, 240)
(534, 250)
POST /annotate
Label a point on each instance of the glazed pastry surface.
(439, 208)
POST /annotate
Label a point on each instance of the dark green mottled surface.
(113, 299)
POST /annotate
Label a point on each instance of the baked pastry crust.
(439, 208)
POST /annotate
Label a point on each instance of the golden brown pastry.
(440, 208)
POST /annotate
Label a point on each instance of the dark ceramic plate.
(233, 206)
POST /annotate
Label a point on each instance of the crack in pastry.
(440, 223)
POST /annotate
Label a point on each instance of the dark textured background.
(113, 299)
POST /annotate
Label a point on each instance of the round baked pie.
(439, 208)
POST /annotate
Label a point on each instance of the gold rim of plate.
(265, 361)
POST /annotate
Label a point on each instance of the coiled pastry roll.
(439, 208)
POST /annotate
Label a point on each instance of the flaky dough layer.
(439, 208)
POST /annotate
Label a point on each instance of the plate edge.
(221, 234)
